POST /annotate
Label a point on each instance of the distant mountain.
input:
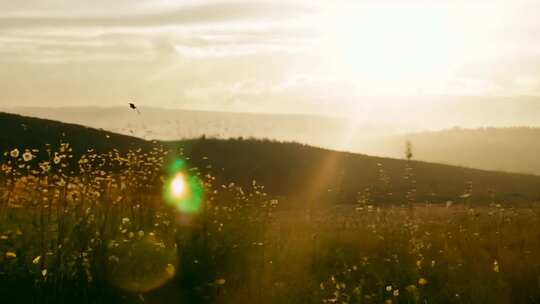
(173, 124)
(387, 115)
(443, 112)
(302, 173)
(501, 149)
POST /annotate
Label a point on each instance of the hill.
(302, 173)
(35, 133)
(310, 173)
(175, 124)
(496, 148)
(501, 149)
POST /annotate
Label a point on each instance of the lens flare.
(181, 190)
(142, 265)
(178, 186)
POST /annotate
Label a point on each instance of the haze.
(353, 58)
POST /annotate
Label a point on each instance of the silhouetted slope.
(303, 173)
(505, 149)
(306, 172)
(27, 132)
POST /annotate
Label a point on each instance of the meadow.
(101, 227)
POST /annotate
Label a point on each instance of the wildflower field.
(145, 226)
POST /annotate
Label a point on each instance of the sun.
(392, 48)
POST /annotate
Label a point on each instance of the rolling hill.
(502, 149)
(35, 133)
(300, 172)
(497, 148)
(310, 173)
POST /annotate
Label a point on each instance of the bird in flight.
(132, 106)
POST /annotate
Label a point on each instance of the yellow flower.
(11, 255)
(14, 153)
(496, 266)
(36, 259)
(45, 166)
(27, 156)
(422, 282)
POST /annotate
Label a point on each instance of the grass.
(103, 233)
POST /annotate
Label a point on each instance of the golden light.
(178, 186)
(396, 49)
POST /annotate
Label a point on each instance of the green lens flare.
(181, 190)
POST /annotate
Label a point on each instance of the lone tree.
(410, 195)
(408, 150)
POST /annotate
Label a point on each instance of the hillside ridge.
(295, 170)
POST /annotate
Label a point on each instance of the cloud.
(252, 55)
(189, 15)
(67, 47)
(195, 30)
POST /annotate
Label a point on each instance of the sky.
(327, 57)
